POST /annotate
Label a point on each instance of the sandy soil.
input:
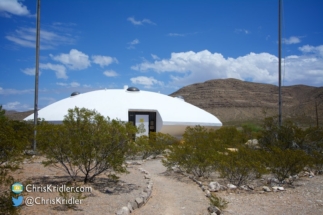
(173, 194)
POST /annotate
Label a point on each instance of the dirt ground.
(173, 193)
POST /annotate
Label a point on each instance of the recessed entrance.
(147, 119)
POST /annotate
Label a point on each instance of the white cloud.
(74, 60)
(87, 85)
(72, 84)
(155, 57)
(138, 22)
(11, 105)
(14, 7)
(318, 50)
(26, 37)
(133, 43)
(60, 70)
(103, 60)
(75, 84)
(17, 106)
(244, 31)
(175, 35)
(291, 40)
(49, 100)
(110, 73)
(30, 71)
(191, 67)
(148, 82)
(15, 92)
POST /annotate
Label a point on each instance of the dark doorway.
(134, 116)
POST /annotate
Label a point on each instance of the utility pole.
(36, 73)
(279, 65)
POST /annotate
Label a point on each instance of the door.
(143, 121)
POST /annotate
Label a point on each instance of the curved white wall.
(172, 114)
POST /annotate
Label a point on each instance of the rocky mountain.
(234, 101)
(15, 115)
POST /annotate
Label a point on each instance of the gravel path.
(172, 194)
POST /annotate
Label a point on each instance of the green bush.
(240, 166)
(228, 137)
(287, 136)
(6, 194)
(2, 113)
(86, 142)
(218, 202)
(15, 137)
(286, 162)
(195, 154)
(314, 147)
(251, 131)
(155, 144)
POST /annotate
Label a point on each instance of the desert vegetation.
(282, 151)
(15, 137)
(88, 144)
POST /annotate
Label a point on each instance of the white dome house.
(158, 112)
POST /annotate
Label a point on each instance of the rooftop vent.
(133, 89)
(75, 93)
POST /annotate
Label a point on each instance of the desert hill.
(234, 101)
(15, 115)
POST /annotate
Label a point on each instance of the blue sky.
(155, 45)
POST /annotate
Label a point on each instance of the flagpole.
(36, 73)
(279, 66)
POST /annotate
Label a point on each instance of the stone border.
(143, 197)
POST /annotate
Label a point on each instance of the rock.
(251, 187)
(207, 193)
(136, 163)
(265, 188)
(144, 196)
(287, 181)
(294, 177)
(123, 211)
(231, 186)
(130, 207)
(244, 187)
(203, 188)
(134, 204)
(278, 188)
(30, 152)
(273, 180)
(150, 157)
(147, 176)
(160, 156)
(139, 201)
(253, 142)
(199, 183)
(312, 174)
(306, 173)
(214, 186)
(214, 209)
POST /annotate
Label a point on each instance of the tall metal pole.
(36, 73)
(279, 65)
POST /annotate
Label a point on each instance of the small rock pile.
(216, 187)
